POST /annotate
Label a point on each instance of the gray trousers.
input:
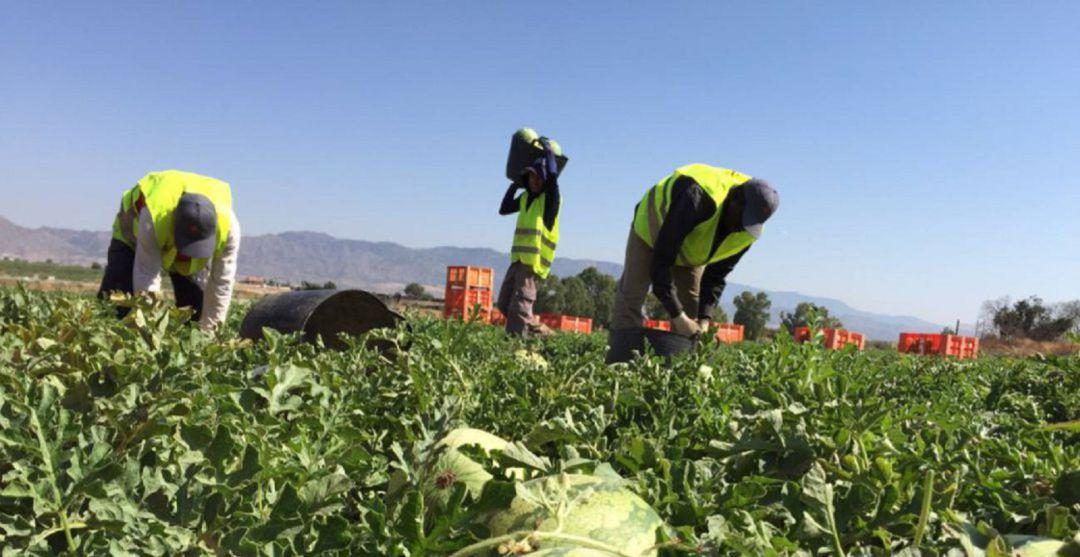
(628, 311)
(517, 296)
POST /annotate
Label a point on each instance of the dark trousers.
(118, 272)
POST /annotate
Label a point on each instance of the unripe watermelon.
(1034, 546)
(451, 467)
(596, 508)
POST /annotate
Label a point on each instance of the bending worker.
(183, 224)
(535, 238)
(689, 231)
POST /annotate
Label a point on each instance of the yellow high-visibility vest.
(696, 249)
(534, 244)
(160, 193)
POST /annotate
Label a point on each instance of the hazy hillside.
(65, 246)
(373, 264)
(387, 267)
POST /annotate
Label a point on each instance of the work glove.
(683, 325)
(704, 323)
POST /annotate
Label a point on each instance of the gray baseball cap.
(195, 226)
(760, 203)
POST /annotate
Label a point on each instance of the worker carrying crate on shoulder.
(689, 231)
(534, 165)
(183, 224)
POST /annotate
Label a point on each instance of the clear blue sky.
(927, 154)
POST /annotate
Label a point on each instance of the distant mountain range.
(388, 267)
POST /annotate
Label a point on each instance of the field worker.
(688, 233)
(183, 224)
(535, 238)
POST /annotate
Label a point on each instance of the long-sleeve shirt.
(216, 280)
(511, 203)
(690, 206)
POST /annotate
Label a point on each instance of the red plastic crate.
(729, 333)
(566, 322)
(470, 277)
(460, 302)
(961, 347)
(944, 345)
(657, 324)
(835, 339)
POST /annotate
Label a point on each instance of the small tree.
(601, 289)
(95, 266)
(804, 314)
(416, 291)
(1029, 318)
(547, 293)
(719, 315)
(752, 312)
(573, 297)
(1070, 311)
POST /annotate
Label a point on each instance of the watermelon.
(530, 359)
(596, 508)
(1034, 546)
(451, 466)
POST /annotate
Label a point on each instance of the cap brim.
(199, 249)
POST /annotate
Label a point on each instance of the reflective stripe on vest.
(160, 192)
(534, 245)
(696, 249)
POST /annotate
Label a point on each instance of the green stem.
(924, 512)
(581, 541)
(57, 500)
(836, 538)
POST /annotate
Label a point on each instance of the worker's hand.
(549, 158)
(704, 323)
(683, 325)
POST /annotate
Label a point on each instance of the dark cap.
(761, 202)
(195, 222)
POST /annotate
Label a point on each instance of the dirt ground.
(1024, 347)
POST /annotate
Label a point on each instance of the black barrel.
(319, 313)
(624, 342)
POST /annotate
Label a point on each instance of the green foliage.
(42, 270)
(148, 437)
(416, 291)
(807, 313)
(589, 294)
(654, 309)
(1031, 319)
(752, 312)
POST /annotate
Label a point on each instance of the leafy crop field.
(41, 269)
(146, 437)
